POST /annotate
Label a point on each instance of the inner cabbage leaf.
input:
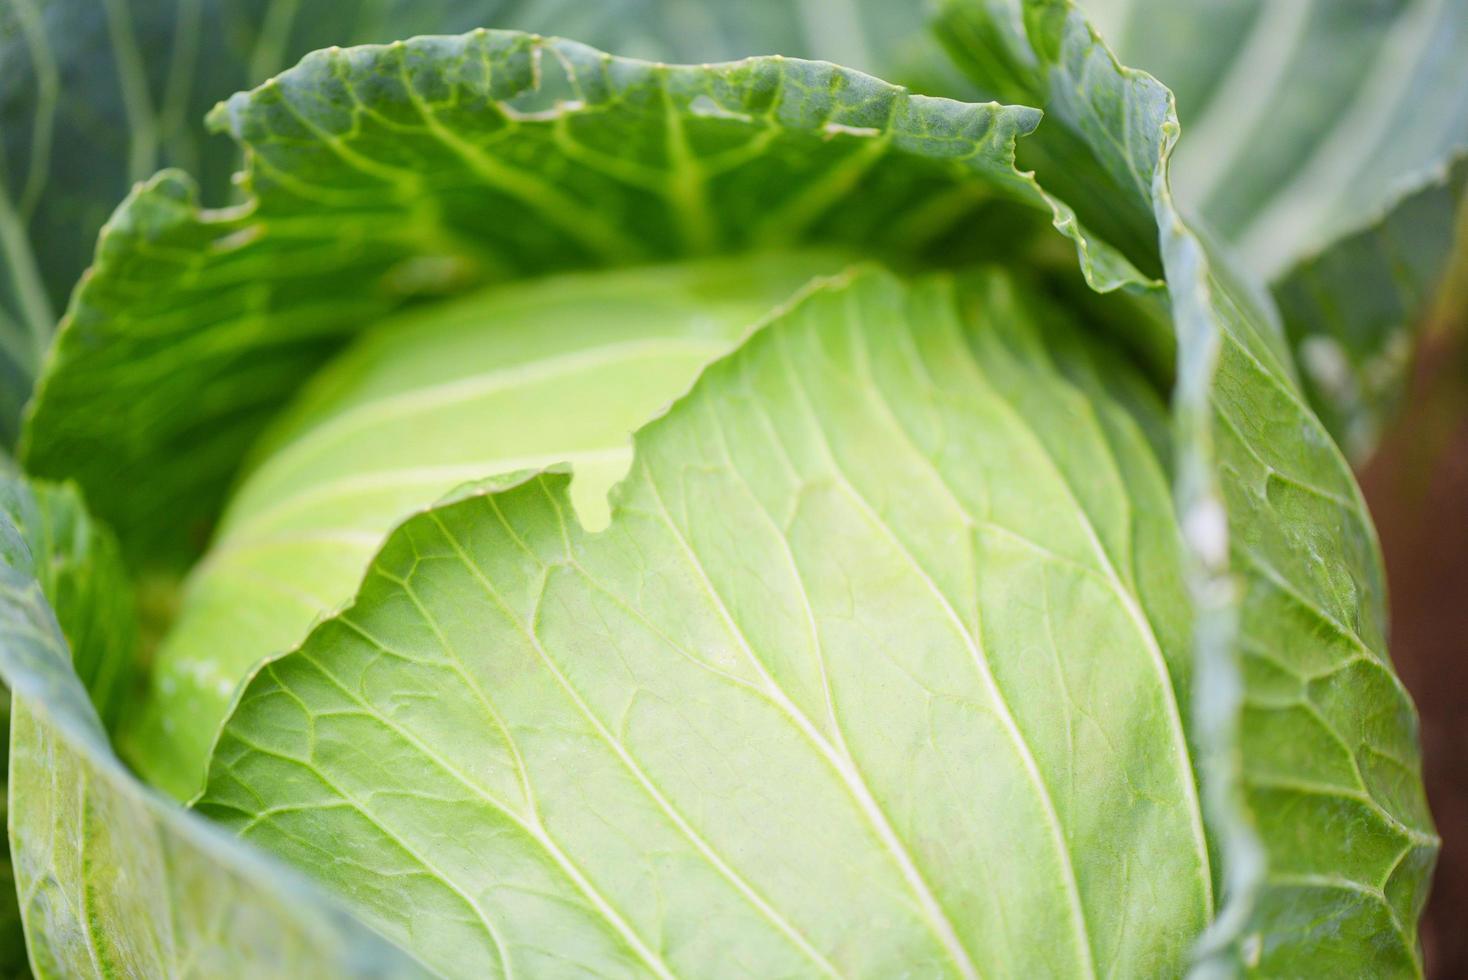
(561, 369)
(882, 665)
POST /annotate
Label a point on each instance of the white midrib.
(84, 912)
(842, 764)
(35, 307)
(274, 35)
(15, 244)
(132, 83)
(1154, 650)
(1144, 630)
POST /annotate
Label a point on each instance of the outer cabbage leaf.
(1318, 139)
(112, 878)
(377, 174)
(1293, 149)
(1303, 117)
(877, 669)
(80, 570)
(559, 369)
(13, 962)
(1310, 760)
(98, 94)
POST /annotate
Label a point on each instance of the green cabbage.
(575, 514)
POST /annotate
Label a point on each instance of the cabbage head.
(708, 509)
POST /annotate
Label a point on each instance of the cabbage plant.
(649, 514)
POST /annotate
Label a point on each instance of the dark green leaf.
(380, 174)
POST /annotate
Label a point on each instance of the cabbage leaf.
(763, 710)
(1287, 579)
(112, 877)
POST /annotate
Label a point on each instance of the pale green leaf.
(880, 667)
(381, 176)
(114, 880)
